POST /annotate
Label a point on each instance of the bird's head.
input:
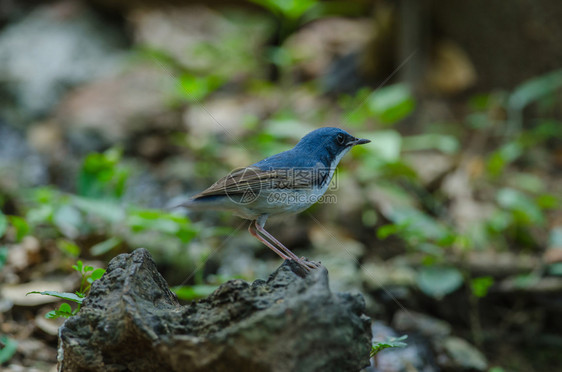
(329, 144)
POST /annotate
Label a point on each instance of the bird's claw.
(308, 265)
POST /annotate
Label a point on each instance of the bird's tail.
(201, 203)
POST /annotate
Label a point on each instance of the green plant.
(102, 176)
(291, 13)
(193, 88)
(3, 224)
(391, 342)
(97, 211)
(88, 276)
(8, 348)
(480, 286)
(193, 292)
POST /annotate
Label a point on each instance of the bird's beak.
(358, 141)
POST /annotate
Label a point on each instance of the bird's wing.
(255, 179)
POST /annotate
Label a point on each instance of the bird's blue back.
(316, 147)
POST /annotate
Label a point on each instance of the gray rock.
(52, 49)
(20, 165)
(131, 108)
(412, 321)
(463, 356)
(131, 321)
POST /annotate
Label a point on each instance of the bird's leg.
(252, 231)
(276, 242)
(303, 262)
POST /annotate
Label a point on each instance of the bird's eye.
(340, 139)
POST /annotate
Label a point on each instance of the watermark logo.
(283, 186)
(243, 186)
(291, 198)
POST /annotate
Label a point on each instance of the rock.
(222, 116)
(533, 285)
(132, 321)
(498, 264)
(377, 275)
(52, 49)
(450, 70)
(199, 38)
(463, 356)
(430, 166)
(316, 45)
(465, 209)
(118, 109)
(411, 321)
(20, 166)
(24, 255)
(453, 353)
(340, 253)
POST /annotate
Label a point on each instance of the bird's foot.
(308, 265)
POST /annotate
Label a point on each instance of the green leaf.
(68, 220)
(547, 201)
(9, 349)
(68, 247)
(480, 286)
(105, 246)
(64, 311)
(417, 225)
(505, 155)
(52, 314)
(3, 224)
(107, 211)
(534, 89)
(527, 182)
(392, 342)
(438, 281)
(480, 102)
(64, 307)
(279, 56)
(391, 104)
(101, 176)
(40, 215)
(496, 369)
(524, 209)
(64, 295)
(555, 269)
(78, 266)
(166, 223)
(526, 280)
(97, 274)
(45, 195)
(21, 226)
(3, 255)
(193, 292)
(385, 231)
(195, 88)
(290, 9)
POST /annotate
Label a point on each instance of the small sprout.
(64, 311)
(89, 275)
(391, 342)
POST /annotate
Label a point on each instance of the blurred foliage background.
(449, 222)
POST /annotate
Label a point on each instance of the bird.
(286, 183)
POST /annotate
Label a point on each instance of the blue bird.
(288, 182)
